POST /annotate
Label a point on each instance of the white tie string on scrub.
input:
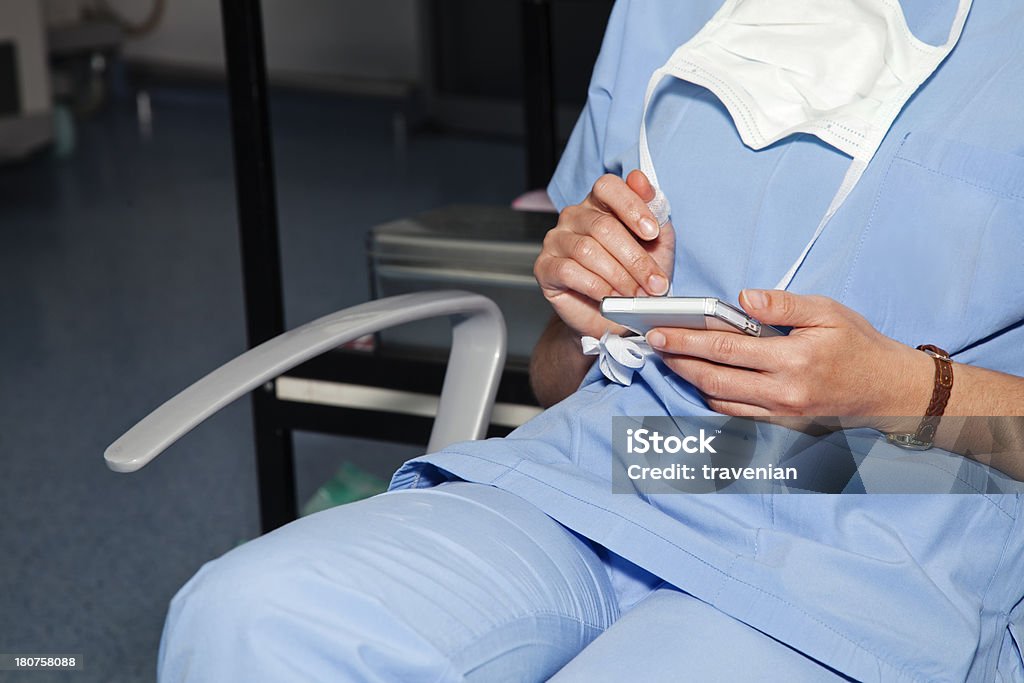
(618, 357)
(836, 69)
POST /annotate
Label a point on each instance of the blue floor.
(120, 285)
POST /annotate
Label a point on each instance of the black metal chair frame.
(274, 419)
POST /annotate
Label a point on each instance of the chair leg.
(275, 464)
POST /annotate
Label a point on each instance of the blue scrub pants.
(462, 582)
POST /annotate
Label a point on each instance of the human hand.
(833, 363)
(609, 245)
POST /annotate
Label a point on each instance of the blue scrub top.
(929, 247)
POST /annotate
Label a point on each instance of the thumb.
(638, 182)
(779, 307)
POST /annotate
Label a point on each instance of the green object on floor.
(350, 483)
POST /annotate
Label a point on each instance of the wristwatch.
(924, 437)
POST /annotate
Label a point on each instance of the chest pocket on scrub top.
(941, 258)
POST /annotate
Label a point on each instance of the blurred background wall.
(325, 40)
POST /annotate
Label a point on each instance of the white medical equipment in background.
(26, 103)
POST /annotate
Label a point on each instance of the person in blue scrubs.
(513, 560)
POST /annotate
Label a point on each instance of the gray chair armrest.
(470, 382)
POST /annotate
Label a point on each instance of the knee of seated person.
(229, 592)
(261, 608)
(249, 597)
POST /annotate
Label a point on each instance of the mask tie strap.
(853, 176)
(659, 206)
(958, 23)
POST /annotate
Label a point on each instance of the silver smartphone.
(643, 314)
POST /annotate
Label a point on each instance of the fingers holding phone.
(609, 245)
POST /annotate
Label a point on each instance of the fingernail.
(656, 340)
(648, 228)
(657, 285)
(755, 298)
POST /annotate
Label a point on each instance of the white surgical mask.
(840, 70)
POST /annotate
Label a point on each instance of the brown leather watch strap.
(941, 392)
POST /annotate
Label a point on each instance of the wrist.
(904, 391)
(572, 338)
